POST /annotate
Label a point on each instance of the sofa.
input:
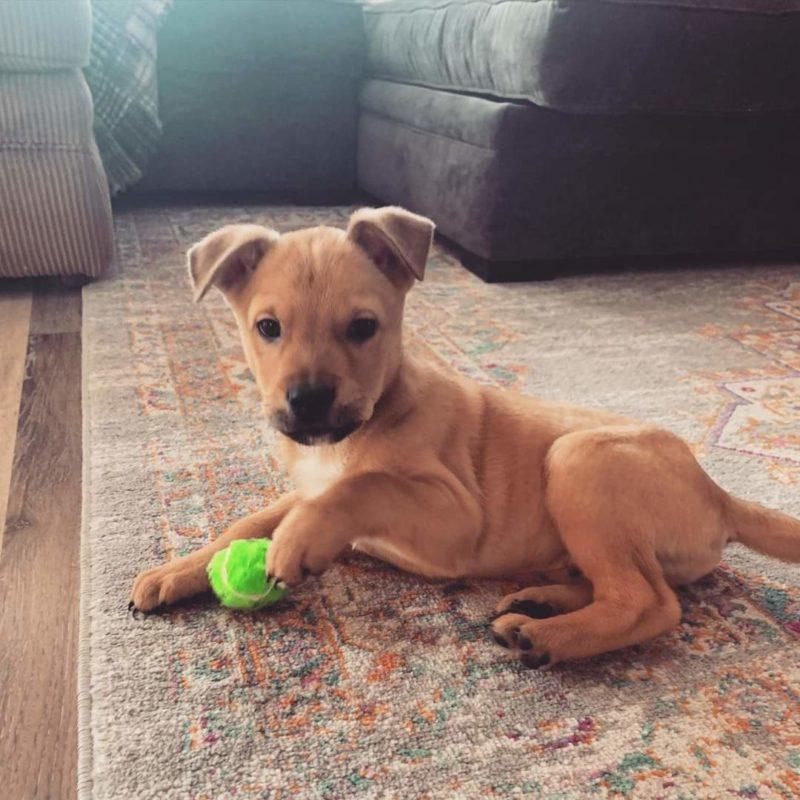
(55, 213)
(540, 134)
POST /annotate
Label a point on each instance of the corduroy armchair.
(55, 213)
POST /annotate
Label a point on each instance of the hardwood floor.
(15, 316)
(40, 502)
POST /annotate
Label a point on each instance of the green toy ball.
(238, 576)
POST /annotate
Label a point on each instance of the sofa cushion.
(44, 34)
(603, 56)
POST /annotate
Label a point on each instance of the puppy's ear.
(395, 239)
(227, 257)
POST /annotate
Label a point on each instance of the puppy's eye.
(269, 328)
(361, 329)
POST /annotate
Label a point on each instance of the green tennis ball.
(238, 575)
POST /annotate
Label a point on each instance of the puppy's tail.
(770, 532)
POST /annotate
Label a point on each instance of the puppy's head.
(320, 312)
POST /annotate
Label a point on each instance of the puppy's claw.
(535, 662)
(524, 643)
(273, 582)
(135, 612)
(138, 613)
(499, 639)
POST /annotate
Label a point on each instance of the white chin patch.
(314, 471)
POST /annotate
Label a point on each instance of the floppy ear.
(395, 239)
(227, 257)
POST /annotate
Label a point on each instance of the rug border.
(85, 755)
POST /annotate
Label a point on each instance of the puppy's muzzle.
(311, 416)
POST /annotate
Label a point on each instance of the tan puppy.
(441, 476)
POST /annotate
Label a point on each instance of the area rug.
(372, 683)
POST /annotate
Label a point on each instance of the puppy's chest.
(314, 471)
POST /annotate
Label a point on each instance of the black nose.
(310, 403)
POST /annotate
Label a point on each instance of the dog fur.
(422, 468)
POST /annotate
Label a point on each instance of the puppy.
(424, 469)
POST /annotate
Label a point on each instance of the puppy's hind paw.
(517, 632)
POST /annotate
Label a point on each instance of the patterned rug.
(372, 683)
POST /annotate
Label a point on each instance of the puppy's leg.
(541, 602)
(612, 496)
(186, 576)
(627, 609)
(397, 511)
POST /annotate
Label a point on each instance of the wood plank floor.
(40, 424)
(15, 317)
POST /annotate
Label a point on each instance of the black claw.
(530, 608)
(138, 613)
(534, 662)
(524, 643)
(500, 640)
(133, 611)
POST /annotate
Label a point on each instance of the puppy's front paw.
(294, 554)
(167, 584)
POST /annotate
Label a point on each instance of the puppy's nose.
(310, 403)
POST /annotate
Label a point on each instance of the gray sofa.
(55, 215)
(538, 132)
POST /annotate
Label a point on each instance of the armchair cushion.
(44, 34)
